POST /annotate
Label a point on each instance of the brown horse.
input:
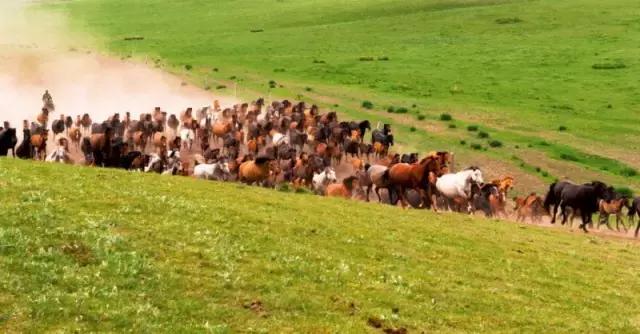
(531, 206)
(343, 189)
(75, 135)
(403, 176)
(498, 202)
(220, 129)
(613, 207)
(39, 145)
(255, 171)
(139, 140)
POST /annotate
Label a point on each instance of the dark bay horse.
(583, 198)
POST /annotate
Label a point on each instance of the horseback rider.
(46, 98)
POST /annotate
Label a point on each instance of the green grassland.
(85, 250)
(520, 69)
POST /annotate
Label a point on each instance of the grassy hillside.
(86, 249)
(520, 69)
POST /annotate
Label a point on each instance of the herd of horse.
(294, 144)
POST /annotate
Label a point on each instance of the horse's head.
(602, 190)
(330, 175)
(474, 175)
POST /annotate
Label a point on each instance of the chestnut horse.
(403, 176)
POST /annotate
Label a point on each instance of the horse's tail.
(550, 199)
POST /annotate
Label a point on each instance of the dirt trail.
(35, 57)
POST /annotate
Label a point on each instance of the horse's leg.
(401, 195)
(368, 191)
(600, 219)
(585, 220)
(555, 213)
(377, 191)
(620, 221)
(637, 229)
(563, 208)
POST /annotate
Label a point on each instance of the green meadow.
(564, 72)
(96, 250)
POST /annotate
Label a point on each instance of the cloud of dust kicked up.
(34, 56)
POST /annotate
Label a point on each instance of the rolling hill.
(85, 249)
(552, 83)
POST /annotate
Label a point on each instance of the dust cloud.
(36, 54)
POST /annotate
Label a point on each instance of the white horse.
(458, 185)
(174, 163)
(59, 155)
(187, 136)
(323, 179)
(218, 171)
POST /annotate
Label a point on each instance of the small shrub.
(452, 126)
(272, 84)
(256, 30)
(367, 104)
(629, 172)
(495, 143)
(391, 109)
(233, 77)
(544, 143)
(413, 129)
(517, 147)
(402, 110)
(215, 69)
(383, 58)
(366, 59)
(508, 20)
(421, 117)
(414, 106)
(625, 191)
(609, 66)
(279, 70)
(545, 173)
(308, 89)
(316, 61)
(562, 128)
(456, 89)
(302, 190)
(188, 67)
(336, 105)
(568, 157)
(476, 146)
(284, 187)
(472, 128)
(463, 142)
(445, 117)
(538, 169)
(221, 87)
(483, 134)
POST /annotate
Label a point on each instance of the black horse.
(362, 126)
(383, 136)
(8, 141)
(583, 198)
(25, 149)
(634, 210)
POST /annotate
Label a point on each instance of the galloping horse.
(403, 176)
(458, 186)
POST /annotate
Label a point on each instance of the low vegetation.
(181, 255)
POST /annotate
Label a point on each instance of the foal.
(612, 207)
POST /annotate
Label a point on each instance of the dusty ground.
(36, 57)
